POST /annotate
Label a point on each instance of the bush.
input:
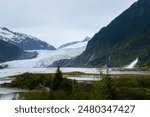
(31, 81)
(107, 88)
(57, 80)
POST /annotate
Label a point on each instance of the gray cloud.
(85, 15)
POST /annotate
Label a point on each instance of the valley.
(113, 64)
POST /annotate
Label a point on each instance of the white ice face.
(47, 57)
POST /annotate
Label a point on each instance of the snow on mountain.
(46, 57)
(8, 35)
(68, 44)
(75, 44)
(25, 42)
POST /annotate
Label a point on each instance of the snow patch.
(75, 44)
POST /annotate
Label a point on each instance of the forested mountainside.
(126, 38)
(10, 52)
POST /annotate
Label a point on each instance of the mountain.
(46, 58)
(75, 44)
(126, 38)
(68, 44)
(11, 52)
(25, 42)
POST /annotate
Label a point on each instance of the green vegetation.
(108, 89)
(57, 87)
(138, 69)
(32, 81)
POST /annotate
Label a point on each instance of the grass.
(137, 69)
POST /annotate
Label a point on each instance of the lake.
(9, 94)
(12, 72)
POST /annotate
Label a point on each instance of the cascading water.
(132, 65)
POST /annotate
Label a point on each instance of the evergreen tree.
(108, 89)
(58, 78)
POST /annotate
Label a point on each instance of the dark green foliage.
(132, 82)
(144, 82)
(82, 91)
(35, 95)
(127, 93)
(66, 85)
(60, 83)
(44, 95)
(133, 88)
(107, 88)
(127, 87)
(55, 83)
(58, 78)
(32, 81)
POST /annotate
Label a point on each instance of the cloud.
(60, 20)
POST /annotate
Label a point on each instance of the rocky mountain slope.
(25, 42)
(11, 52)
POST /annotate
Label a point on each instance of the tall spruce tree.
(58, 78)
(108, 90)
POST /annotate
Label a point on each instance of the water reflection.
(9, 96)
(84, 78)
(8, 93)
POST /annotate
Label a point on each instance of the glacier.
(46, 57)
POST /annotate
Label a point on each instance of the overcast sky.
(60, 21)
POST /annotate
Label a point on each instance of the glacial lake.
(12, 72)
(9, 94)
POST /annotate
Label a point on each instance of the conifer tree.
(108, 90)
(58, 78)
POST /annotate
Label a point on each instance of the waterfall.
(132, 64)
